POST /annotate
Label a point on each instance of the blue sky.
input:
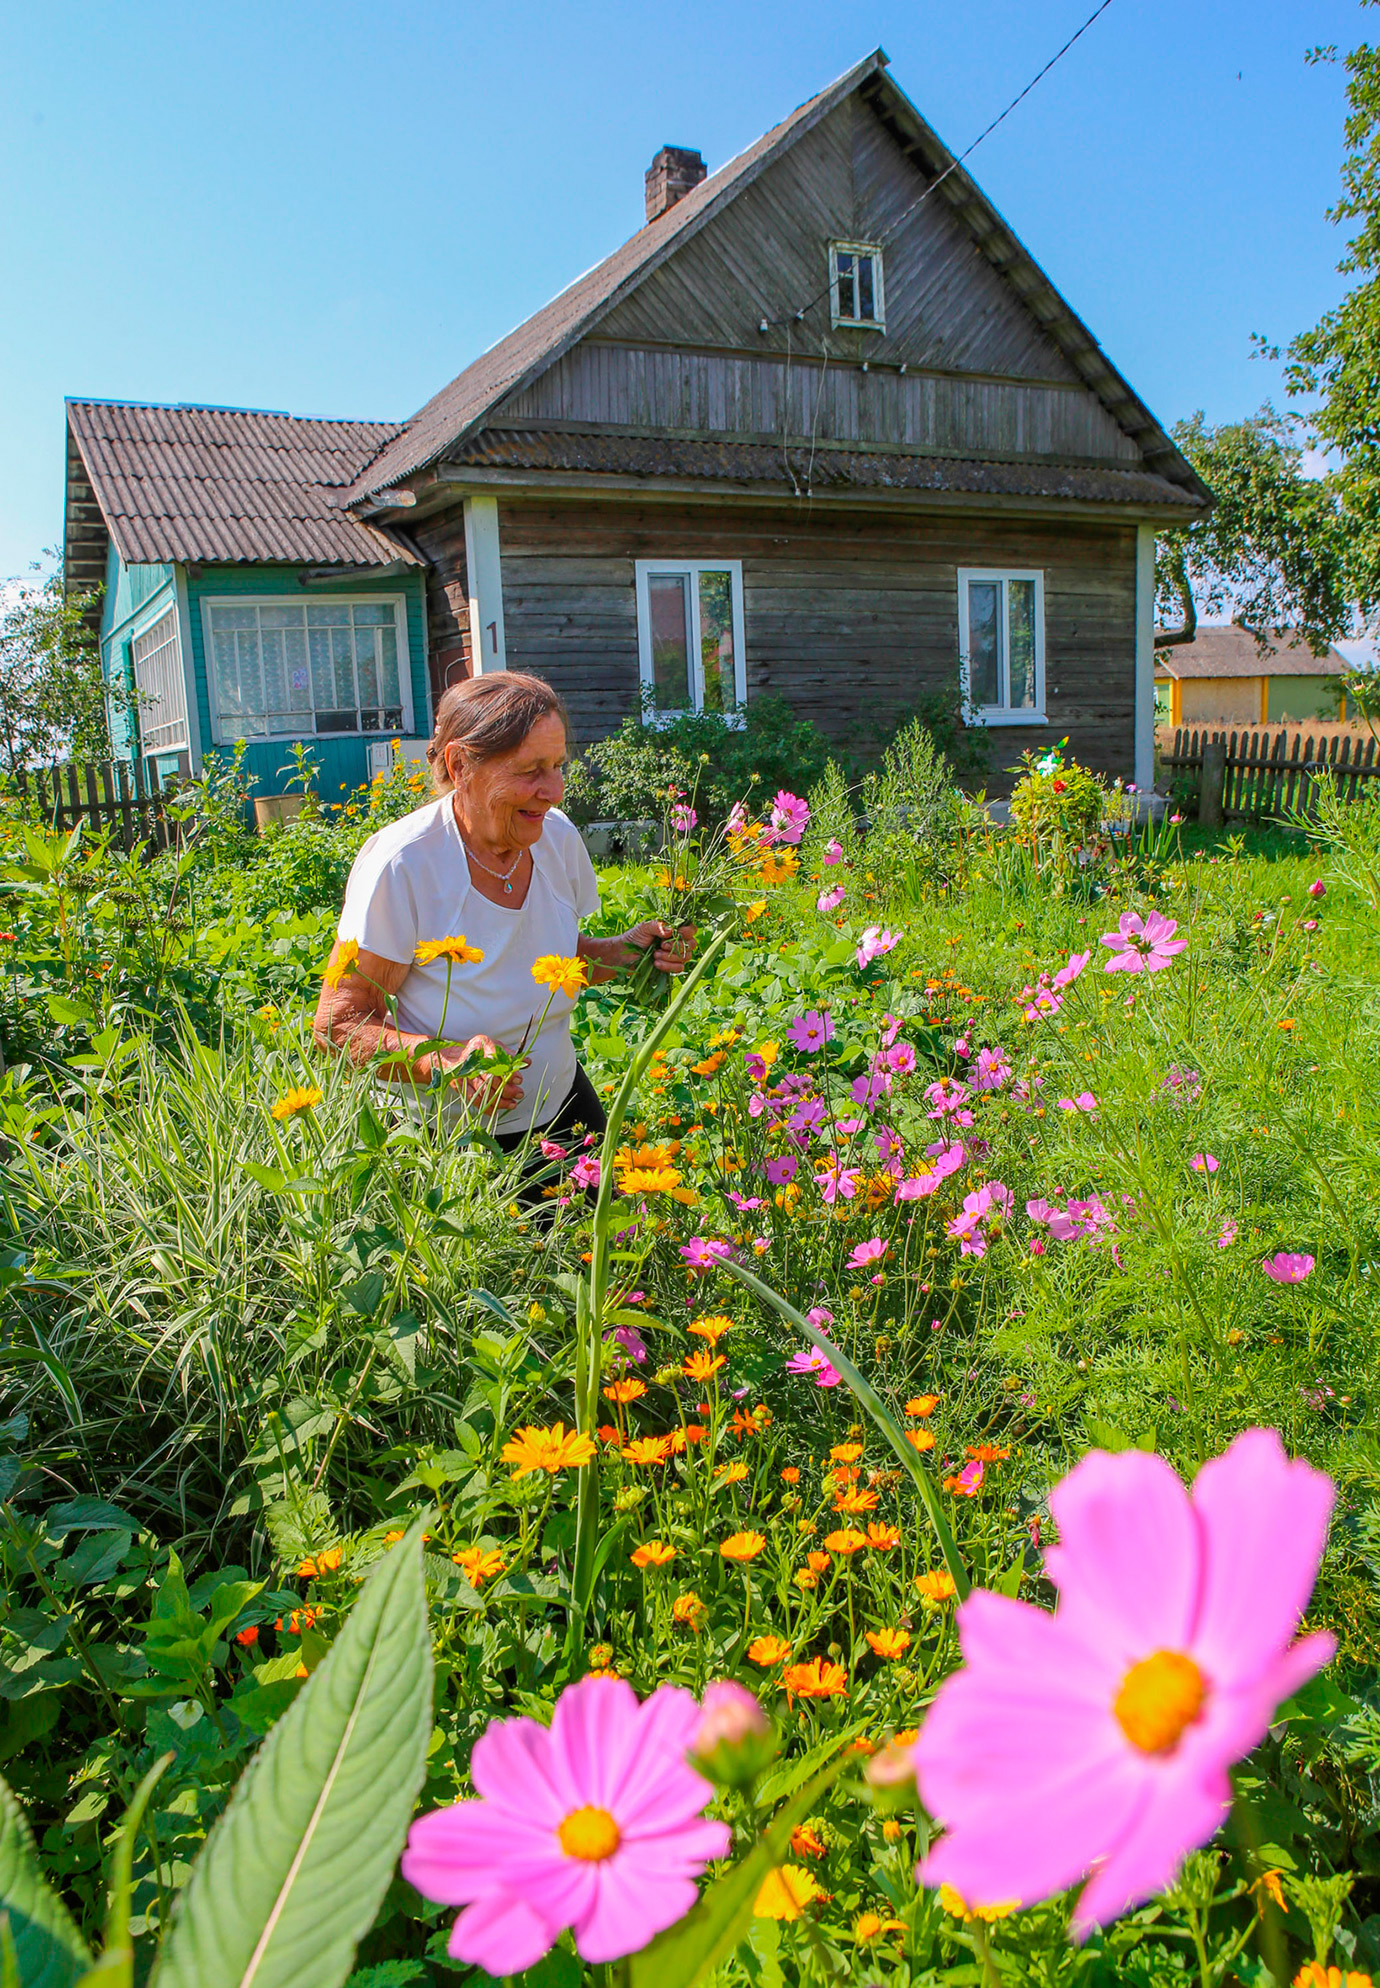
(331, 209)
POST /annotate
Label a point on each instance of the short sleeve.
(583, 880)
(380, 909)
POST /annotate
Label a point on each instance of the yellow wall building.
(1227, 676)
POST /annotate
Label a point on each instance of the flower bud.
(734, 1739)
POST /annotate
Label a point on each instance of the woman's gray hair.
(487, 716)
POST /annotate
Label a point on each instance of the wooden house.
(1232, 676)
(822, 427)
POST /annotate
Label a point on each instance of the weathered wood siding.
(763, 398)
(766, 255)
(849, 615)
(442, 540)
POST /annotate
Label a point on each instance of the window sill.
(1000, 717)
(657, 720)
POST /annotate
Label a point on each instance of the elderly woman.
(492, 858)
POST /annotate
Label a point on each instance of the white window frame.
(166, 709)
(877, 322)
(1001, 714)
(691, 569)
(316, 598)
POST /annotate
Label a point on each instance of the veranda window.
(1001, 645)
(287, 669)
(690, 635)
(158, 678)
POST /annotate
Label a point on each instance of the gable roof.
(1235, 651)
(221, 484)
(524, 354)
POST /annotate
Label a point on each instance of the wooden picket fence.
(121, 794)
(1268, 773)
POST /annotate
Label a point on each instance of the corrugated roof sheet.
(1235, 651)
(230, 484)
(830, 469)
(526, 352)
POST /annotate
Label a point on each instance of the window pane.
(716, 642)
(330, 614)
(366, 664)
(388, 636)
(369, 616)
(983, 599)
(296, 667)
(866, 306)
(290, 616)
(342, 648)
(1020, 642)
(668, 600)
(322, 683)
(234, 617)
(275, 689)
(848, 304)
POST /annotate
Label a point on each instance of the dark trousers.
(580, 1113)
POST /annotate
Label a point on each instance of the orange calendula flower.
(957, 1906)
(689, 1610)
(754, 911)
(846, 1452)
(922, 1404)
(855, 1500)
(695, 1432)
(987, 1453)
(816, 1679)
(742, 1546)
(806, 1578)
(882, 1538)
(653, 1553)
(817, 1562)
(342, 961)
(869, 1926)
(291, 1103)
(562, 976)
(457, 950)
(745, 1424)
(649, 1180)
(392, 1537)
(551, 1450)
(936, 1586)
(765, 1651)
(804, 1841)
(712, 1329)
(730, 1473)
(648, 1450)
(889, 1643)
(478, 1564)
(921, 1439)
(703, 1366)
(608, 1434)
(709, 1065)
(663, 1155)
(790, 1475)
(1314, 1975)
(324, 1563)
(846, 1542)
(625, 1390)
(785, 1893)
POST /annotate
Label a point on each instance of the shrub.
(625, 777)
(1054, 801)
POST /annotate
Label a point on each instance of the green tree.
(1338, 361)
(53, 700)
(1273, 548)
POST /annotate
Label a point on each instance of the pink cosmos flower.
(900, 1060)
(1099, 1738)
(830, 900)
(585, 1172)
(551, 1151)
(1287, 1267)
(990, 1071)
(869, 1089)
(1142, 945)
(782, 1170)
(891, 1028)
(1070, 971)
(818, 1315)
(963, 1048)
(875, 941)
(1227, 1234)
(790, 817)
(814, 1363)
(968, 1483)
(730, 1715)
(833, 852)
(966, 1231)
(703, 1252)
(683, 819)
(737, 816)
(1204, 1163)
(756, 1066)
(595, 1823)
(631, 1341)
(846, 1128)
(837, 1181)
(1317, 888)
(888, 1143)
(745, 1203)
(809, 1113)
(812, 1030)
(938, 1163)
(947, 1096)
(866, 1253)
(1085, 1101)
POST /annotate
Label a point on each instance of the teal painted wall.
(1302, 697)
(128, 591)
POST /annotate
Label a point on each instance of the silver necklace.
(501, 875)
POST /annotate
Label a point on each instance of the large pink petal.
(594, 1735)
(1129, 1569)
(631, 1906)
(502, 1934)
(1236, 1718)
(656, 1782)
(1042, 1840)
(985, 1749)
(1002, 1637)
(1181, 1812)
(456, 1854)
(1264, 1524)
(511, 1766)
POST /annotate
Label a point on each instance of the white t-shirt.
(411, 882)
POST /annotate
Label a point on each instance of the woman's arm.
(610, 957)
(353, 1019)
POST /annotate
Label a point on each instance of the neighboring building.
(1230, 676)
(821, 428)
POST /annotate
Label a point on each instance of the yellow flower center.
(1158, 1699)
(590, 1834)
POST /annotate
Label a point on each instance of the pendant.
(508, 889)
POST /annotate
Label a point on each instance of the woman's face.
(506, 800)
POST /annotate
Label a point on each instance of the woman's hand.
(489, 1091)
(671, 957)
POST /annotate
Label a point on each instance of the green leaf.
(269, 1177)
(90, 1515)
(294, 1871)
(68, 1014)
(48, 1949)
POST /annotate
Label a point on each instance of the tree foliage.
(53, 702)
(1272, 549)
(1339, 359)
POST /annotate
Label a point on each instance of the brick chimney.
(674, 172)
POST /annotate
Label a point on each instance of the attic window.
(855, 285)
